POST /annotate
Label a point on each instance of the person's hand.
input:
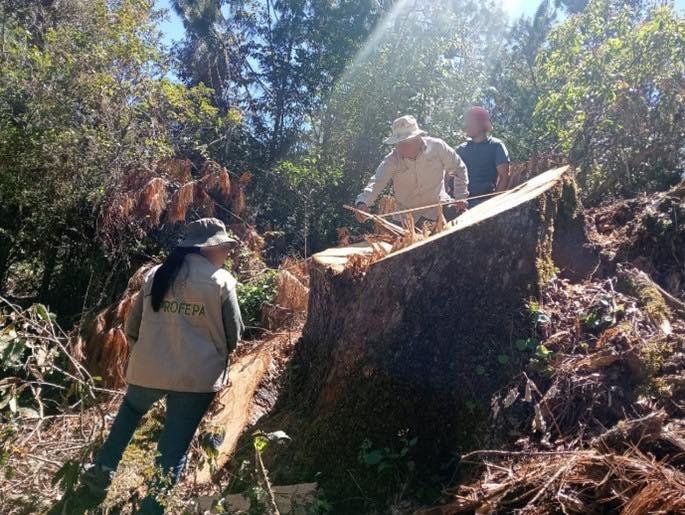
(461, 205)
(362, 207)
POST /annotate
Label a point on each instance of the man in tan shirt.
(417, 168)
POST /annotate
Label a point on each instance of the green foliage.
(514, 84)
(526, 344)
(252, 296)
(428, 59)
(603, 313)
(301, 93)
(308, 206)
(386, 459)
(83, 98)
(612, 98)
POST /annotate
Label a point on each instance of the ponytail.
(167, 272)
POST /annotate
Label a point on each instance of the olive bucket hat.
(206, 232)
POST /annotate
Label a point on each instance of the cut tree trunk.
(417, 344)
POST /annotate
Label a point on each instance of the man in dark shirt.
(486, 158)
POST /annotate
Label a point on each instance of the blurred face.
(473, 126)
(410, 148)
(217, 255)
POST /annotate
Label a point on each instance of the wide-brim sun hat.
(206, 232)
(404, 128)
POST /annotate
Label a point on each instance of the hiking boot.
(97, 479)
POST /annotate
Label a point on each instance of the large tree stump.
(421, 340)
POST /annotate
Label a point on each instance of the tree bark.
(418, 344)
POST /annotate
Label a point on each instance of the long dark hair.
(167, 272)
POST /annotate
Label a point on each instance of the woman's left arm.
(233, 321)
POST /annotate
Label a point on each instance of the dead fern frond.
(152, 201)
(177, 170)
(180, 202)
(209, 167)
(237, 198)
(218, 183)
(101, 344)
(202, 202)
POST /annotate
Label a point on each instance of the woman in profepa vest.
(183, 326)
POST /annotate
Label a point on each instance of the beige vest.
(183, 346)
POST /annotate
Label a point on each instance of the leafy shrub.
(253, 295)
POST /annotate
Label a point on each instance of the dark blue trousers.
(183, 414)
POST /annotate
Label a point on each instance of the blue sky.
(172, 28)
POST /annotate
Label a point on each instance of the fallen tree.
(417, 342)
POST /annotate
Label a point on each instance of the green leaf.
(480, 370)
(502, 359)
(544, 352)
(385, 465)
(373, 457)
(42, 312)
(521, 344)
(260, 443)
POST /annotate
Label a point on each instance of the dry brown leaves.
(41, 447)
(290, 303)
(176, 170)
(215, 179)
(152, 201)
(589, 481)
(101, 343)
(144, 200)
(358, 264)
(180, 202)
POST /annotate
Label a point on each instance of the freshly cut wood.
(417, 343)
(235, 403)
(337, 257)
(253, 386)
